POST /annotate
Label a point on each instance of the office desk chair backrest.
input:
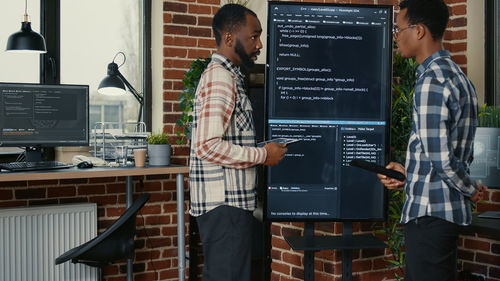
(117, 242)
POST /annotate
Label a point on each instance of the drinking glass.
(121, 152)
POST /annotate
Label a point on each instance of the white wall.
(260, 8)
(157, 65)
(476, 45)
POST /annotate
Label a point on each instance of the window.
(16, 67)
(112, 114)
(82, 38)
(89, 43)
(492, 52)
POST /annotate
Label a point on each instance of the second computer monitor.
(36, 115)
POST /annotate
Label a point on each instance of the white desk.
(128, 172)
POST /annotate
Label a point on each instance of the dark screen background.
(357, 59)
(334, 81)
(48, 115)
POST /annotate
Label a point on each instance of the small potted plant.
(159, 149)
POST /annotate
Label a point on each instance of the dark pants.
(226, 235)
(431, 250)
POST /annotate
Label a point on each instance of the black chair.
(117, 242)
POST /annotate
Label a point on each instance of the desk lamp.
(114, 84)
(26, 40)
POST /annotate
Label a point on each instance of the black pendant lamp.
(26, 40)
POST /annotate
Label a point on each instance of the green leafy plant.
(186, 97)
(402, 102)
(489, 116)
(159, 138)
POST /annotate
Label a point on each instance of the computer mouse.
(85, 165)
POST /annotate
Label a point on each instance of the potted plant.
(186, 97)
(159, 149)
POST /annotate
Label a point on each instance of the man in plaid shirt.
(438, 188)
(223, 156)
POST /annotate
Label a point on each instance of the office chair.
(117, 242)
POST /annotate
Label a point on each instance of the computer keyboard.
(32, 166)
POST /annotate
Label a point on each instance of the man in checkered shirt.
(223, 156)
(438, 188)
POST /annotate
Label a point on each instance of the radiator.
(31, 238)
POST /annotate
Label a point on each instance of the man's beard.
(246, 60)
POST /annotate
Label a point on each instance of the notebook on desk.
(490, 215)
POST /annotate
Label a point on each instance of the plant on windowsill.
(402, 102)
(159, 149)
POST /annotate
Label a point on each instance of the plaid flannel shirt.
(223, 150)
(440, 148)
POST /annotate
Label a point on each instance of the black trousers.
(226, 235)
(431, 250)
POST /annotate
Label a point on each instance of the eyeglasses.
(396, 30)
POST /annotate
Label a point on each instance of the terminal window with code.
(329, 85)
(39, 115)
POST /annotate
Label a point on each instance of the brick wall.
(187, 35)
(480, 254)
(158, 215)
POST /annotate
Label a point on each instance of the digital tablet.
(375, 168)
(278, 140)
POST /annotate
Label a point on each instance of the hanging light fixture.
(26, 40)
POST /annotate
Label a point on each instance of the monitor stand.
(33, 154)
(309, 243)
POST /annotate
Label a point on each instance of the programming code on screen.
(328, 84)
(35, 114)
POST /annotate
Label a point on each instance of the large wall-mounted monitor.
(35, 115)
(329, 70)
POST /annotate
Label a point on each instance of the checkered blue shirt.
(440, 148)
(223, 152)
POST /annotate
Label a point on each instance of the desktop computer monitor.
(36, 116)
